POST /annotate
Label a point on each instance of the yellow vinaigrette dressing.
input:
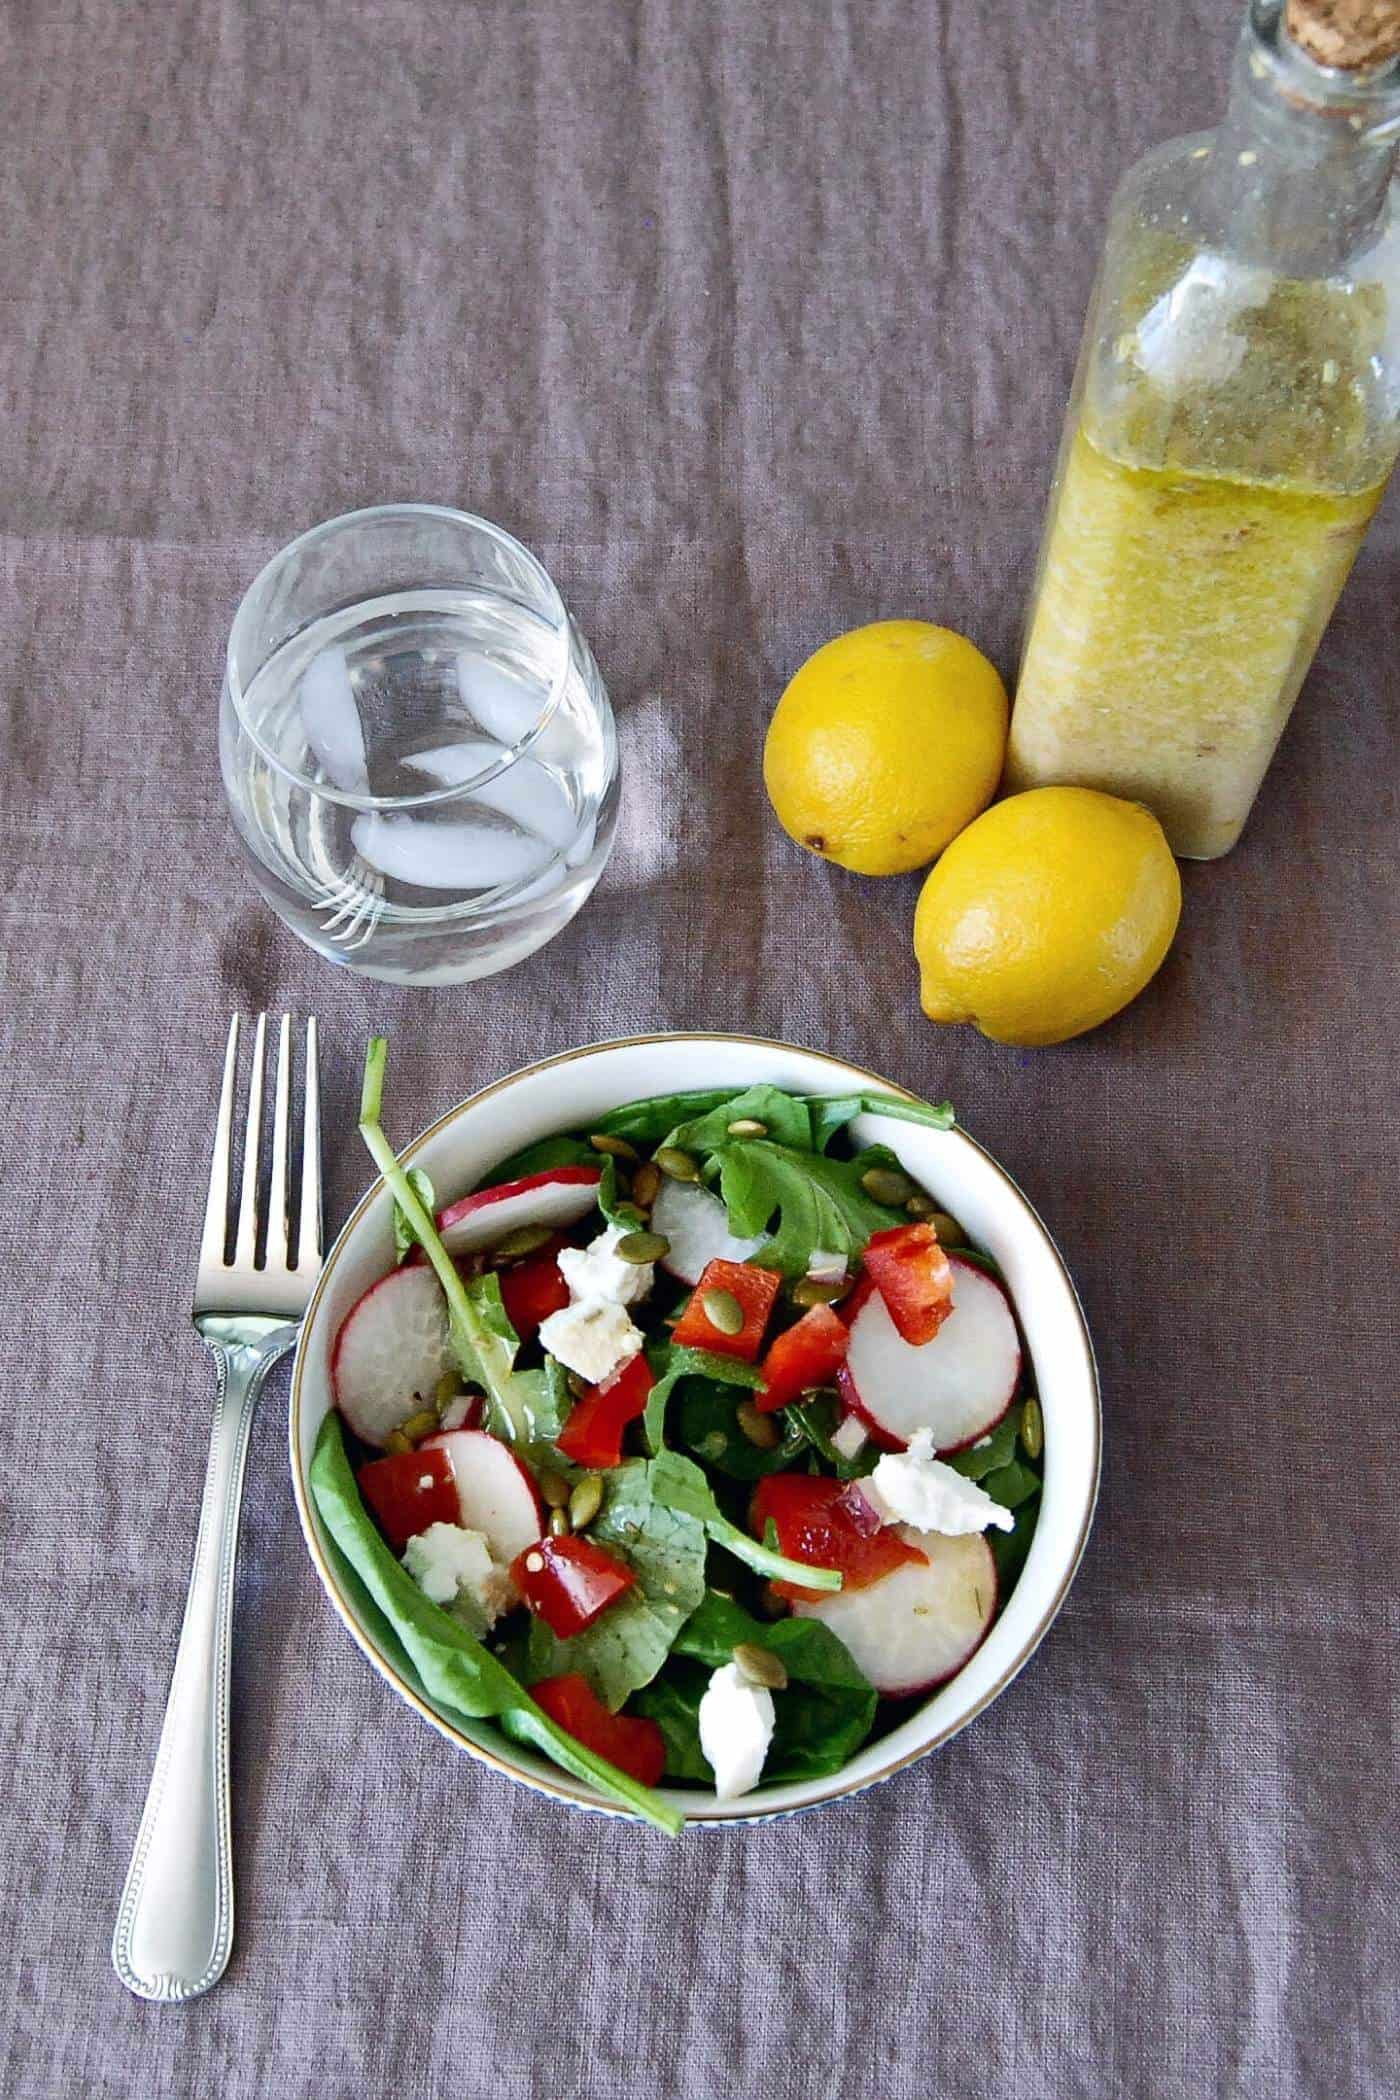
(1235, 417)
(1175, 620)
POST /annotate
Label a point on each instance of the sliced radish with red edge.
(917, 1626)
(495, 1494)
(391, 1351)
(958, 1386)
(558, 1197)
(697, 1225)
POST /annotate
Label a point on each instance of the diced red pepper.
(805, 1355)
(408, 1491)
(914, 1277)
(569, 1582)
(636, 1747)
(755, 1290)
(592, 1436)
(813, 1526)
(534, 1288)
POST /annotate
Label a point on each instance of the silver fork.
(174, 1925)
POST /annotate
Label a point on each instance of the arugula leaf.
(405, 1238)
(816, 1420)
(684, 1487)
(832, 1112)
(646, 1122)
(454, 1670)
(819, 1202)
(543, 1402)
(615, 1207)
(704, 1420)
(560, 1151)
(786, 1116)
(483, 1340)
(1009, 1548)
(674, 1364)
(664, 1545)
(1012, 1485)
(997, 1451)
(821, 1718)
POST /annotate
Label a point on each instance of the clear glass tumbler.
(417, 746)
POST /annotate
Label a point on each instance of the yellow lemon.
(885, 744)
(1047, 915)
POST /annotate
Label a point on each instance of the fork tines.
(276, 1247)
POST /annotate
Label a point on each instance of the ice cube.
(506, 707)
(451, 856)
(331, 720)
(526, 792)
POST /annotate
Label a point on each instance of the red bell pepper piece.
(805, 1355)
(813, 1525)
(534, 1288)
(755, 1290)
(636, 1747)
(914, 1277)
(568, 1582)
(592, 1436)
(408, 1491)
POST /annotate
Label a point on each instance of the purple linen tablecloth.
(757, 322)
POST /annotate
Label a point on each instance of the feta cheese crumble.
(596, 1271)
(453, 1567)
(914, 1487)
(594, 1338)
(850, 1437)
(736, 1727)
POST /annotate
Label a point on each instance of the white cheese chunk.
(596, 1271)
(850, 1437)
(594, 1338)
(914, 1487)
(453, 1567)
(736, 1727)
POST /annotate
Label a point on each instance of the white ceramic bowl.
(571, 1092)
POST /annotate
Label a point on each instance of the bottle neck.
(1299, 172)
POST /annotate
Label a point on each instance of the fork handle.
(174, 1927)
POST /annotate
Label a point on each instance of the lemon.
(1047, 915)
(885, 744)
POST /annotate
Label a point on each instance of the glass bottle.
(1234, 418)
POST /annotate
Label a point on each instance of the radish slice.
(958, 1386)
(451, 856)
(494, 1492)
(697, 1225)
(391, 1351)
(914, 1628)
(557, 1197)
(331, 720)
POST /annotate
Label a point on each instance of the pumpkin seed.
(1032, 1428)
(760, 1429)
(680, 1166)
(524, 1240)
(887, 1185)
(586, 1500)
(812, 1290)
(396, 1441)
(613, 1147)
(946, 1229)
(642, 1247)
(559, 1523)
(555, 1489)
(920, 1205)
(760, 1666)
(447, 1388)
(646, 1184)
(747, 1126)
(629, 1217)
(723, 1310)
(416, 1427)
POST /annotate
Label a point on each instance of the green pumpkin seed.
(1032, 1428)
(415, 1427)
(559, 1523)
(629, 1217)
(747, 1126)
(524, 1240)
(613, 1147)
(887, 1185)
(813, 1290)
(946, 1229)
(555, 1489)
(586, 1500)
(646, 1185)
(760, 1666)
(723, 1310)
(920, 1205)
(396, 1441)
(642, 1247)
(680, 1166)
(760, 1429)
(447, 1388)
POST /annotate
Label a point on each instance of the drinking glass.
(417, 746)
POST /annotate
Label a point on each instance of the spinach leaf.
(832, 1112)
(1009, 1548)
(672, 1364)
(821, 1719)
(1012, 1485)
(704, 1419)
(684, 1487)
(997, 1451)
(817, 1420)
(664, 1545)
(405, 1238)
(561, 1151)
(454, 1670)
(818, 1202)
(786, 1116)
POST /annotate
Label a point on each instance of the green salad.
(690, 1448)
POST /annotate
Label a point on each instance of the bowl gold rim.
(560, 1789)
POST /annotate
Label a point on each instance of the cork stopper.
(1346, 33)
